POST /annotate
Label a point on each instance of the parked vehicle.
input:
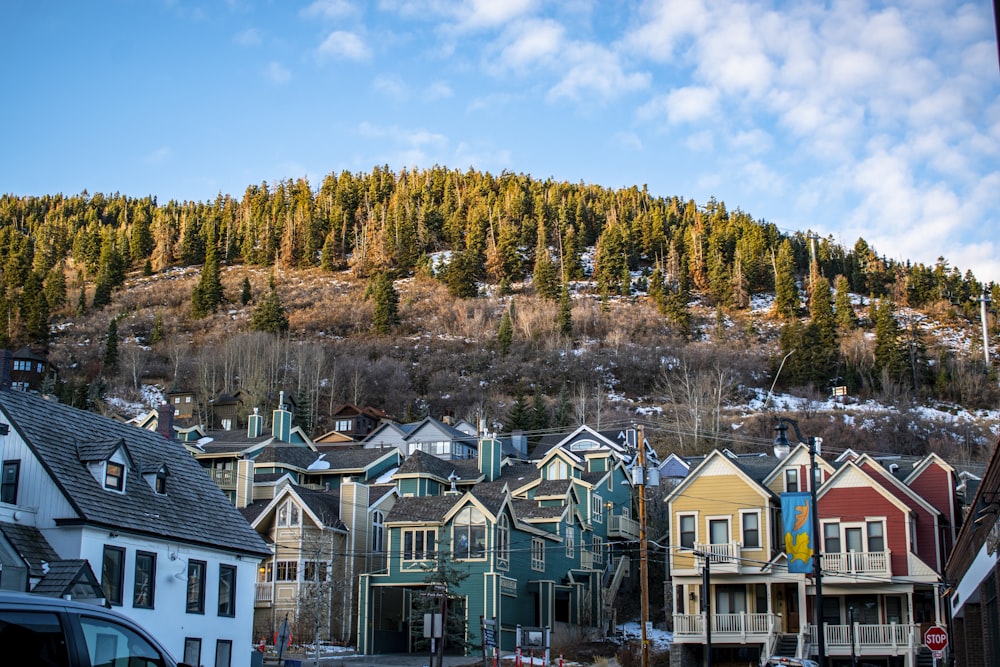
(780, 661)
(50, 632)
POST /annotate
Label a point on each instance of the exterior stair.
(787, 646)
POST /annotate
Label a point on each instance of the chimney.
(255, 424)
(244, 483)
(165, 420)
(520, 442)
(489, 458)
(281, 420)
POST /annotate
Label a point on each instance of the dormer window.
(114, 476)
(157, 480)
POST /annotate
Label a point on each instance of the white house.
(168, 548)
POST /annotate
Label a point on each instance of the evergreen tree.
(519, 416)
(382, 292)
(545, 276)
(55, 288)
(461, 274)
(35, 310)
(565, 312)
(269, 315)
(111, 346)
(446, 577)
(246, 295)
(822, 332)
(5, 317)
(890, 354)
(563, 415)
(539, 414)
(505, 333)
(157, 333)
(611, 262)
(843, 307)
(207, 294)
(786, 292)
(81, 303)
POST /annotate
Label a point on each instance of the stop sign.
(936, 638)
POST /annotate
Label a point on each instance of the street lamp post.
(781, 444)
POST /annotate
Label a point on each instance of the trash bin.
(256, 659)
(293, 663)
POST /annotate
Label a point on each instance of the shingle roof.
(420, 462)
(324, 504)
(193, 510)
(63, 575)
(351, 459)
(282, 452)
(421, 508)
(529, 509)
(29, 542)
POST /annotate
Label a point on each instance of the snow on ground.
(659, 639)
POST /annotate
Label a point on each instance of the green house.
(539, 544)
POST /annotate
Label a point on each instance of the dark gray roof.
(353, 459)
(324, 504)
(98, 450)
(420, 462)
(553, 487)
(299, 456)
(756, 469)
(32, 546)
(529, 509)
(63, 575)
(490, 494)
(422, 508)
(194, 509)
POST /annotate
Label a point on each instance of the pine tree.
(565, 312)
(822, 332)
(843, 307)
(611, 262)
(890, 354)
(55, 288)
(545, 276)
(35, 310)
(461, 274)
(446, 577)
(563, 416)
(157, 333)
(786, 292)
(519, 415)
(382, 292)
(111, 346)
(246, 295)
(207, 294)
(269, 315)
(539, 414)
(505, 333)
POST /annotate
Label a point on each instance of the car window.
(111, 644)
(32, 638)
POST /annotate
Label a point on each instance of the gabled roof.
(415, 509)
(194, 509)
(851, 469)
(420, 463)
(798, 456)
(30, 545)
(351, 460)
(65, 575)
(739, 468)
(924, 464)
(101, 450)
(894, 485)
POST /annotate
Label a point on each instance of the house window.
(469, 534)
(196, 587)
(792, 480)
(750, 529)
(876, 536)
(8, 481)
(223, 652)
(144, 588)
(378, 531)
(265, 573)
(343, 425)
(687, 530)
(187, 399)
(597, 545)
(192, 650)
(227, 590)
(718, 531)
(160, 482)
(570, 541)
(315, 571)
(288, 514)
(287, 570)
(113, 574)
(114, 476)
(558, 470)
(597, 508)
(831, 538)
(503, 542)
(418, 544)
(538, 554)
(177, 400)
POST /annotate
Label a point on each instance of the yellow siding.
(717, 496)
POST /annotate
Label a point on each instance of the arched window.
(503, 542)
(469, 539)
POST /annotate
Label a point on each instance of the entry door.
(791, 595)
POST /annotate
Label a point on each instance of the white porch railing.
(858, 562)
(624, 527)
(869, 639)
(264, 595)
(741, 627)
(225, 479)
(586, 560)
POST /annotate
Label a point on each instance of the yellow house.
(724, 539)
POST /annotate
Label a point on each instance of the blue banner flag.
(796, 513)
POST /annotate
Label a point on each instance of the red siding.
(854, 504)
(937, 486)
(925, 537)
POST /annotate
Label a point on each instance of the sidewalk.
(393, 660)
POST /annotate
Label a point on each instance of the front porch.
(868, 639)
(739, 628)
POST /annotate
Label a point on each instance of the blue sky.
(852, 119)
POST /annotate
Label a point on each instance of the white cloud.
(158, 156)
(438, 90)
(343, 44)
(328, 9)
(595, 71)
(248, 37)
(277, 73)
(531, 42)
(627, 140)
(473, 14)
(664, 25)
(390, 85)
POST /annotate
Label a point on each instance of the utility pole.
(984, 302)
(643, 547)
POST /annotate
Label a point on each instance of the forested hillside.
(534, 303)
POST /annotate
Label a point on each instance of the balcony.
(264, 597)
(847, 565)
(723, 558)
(586, 560)
(873, 639)
(741, 628)
(225, 479)
(623, 527)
